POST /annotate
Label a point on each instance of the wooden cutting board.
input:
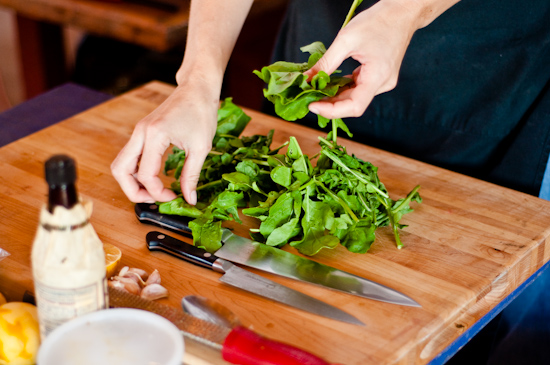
(467, 246)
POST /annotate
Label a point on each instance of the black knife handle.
(149, 213)
(157, 241)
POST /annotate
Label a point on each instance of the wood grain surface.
(467, 246)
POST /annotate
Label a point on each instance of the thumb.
(190, 175)
(331, 60)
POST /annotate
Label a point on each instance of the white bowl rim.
(111, 314)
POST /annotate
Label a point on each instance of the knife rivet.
(153, 207)
(207, 254)
(161, 236)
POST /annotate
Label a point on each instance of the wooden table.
(467, 247)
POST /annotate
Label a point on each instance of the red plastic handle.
(246, 347)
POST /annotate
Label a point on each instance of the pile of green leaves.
(340, 200)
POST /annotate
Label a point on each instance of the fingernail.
(313, 109)
(193, 197)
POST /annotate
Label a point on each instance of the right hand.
(377, 38)
(187, 119)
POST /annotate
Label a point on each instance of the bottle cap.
(60, 170)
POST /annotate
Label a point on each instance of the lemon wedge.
(112, 258)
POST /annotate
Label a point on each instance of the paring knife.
(240, 278)
(246, 252)
(238, 345)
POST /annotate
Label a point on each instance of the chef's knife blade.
(238, 345)
(237, 277)
(246, 252)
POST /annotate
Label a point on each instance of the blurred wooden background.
(85, 35)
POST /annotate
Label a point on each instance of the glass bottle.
(68, 261)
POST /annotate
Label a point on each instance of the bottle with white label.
(68, 261)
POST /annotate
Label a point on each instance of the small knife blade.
(246, 252)
(240, 278)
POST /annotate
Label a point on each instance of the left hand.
(377, 38)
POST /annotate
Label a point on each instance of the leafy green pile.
(339, 201)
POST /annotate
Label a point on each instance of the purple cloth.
(46, 109)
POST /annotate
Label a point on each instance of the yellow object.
(112, 258)
(19, 333)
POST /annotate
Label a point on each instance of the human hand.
(377, 38)
(186, 119)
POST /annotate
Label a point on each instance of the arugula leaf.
(282, 234)
(237, 181)
(279, 213)
(231, 119)
(179, 206)
(359, 238)
(261, 211)
(314, 48)
(207, 234)
(282, 175)
(317, 218)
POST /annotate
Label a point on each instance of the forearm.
(423, 12)
(214, 27)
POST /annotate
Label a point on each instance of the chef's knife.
(235, 276)
(246, 252)
(238, 345)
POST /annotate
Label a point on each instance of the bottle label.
(49, 227)
(59, 305)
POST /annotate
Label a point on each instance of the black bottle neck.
(62, 195)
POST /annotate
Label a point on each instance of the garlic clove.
(123, 271)
(117, 285)
(154, 278)
(154, 291)
(142, 273)
(129, 284)
(135, 277)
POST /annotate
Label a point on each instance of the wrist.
(200, 70)
(200, 76)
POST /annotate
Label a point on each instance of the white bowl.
(114, 337)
